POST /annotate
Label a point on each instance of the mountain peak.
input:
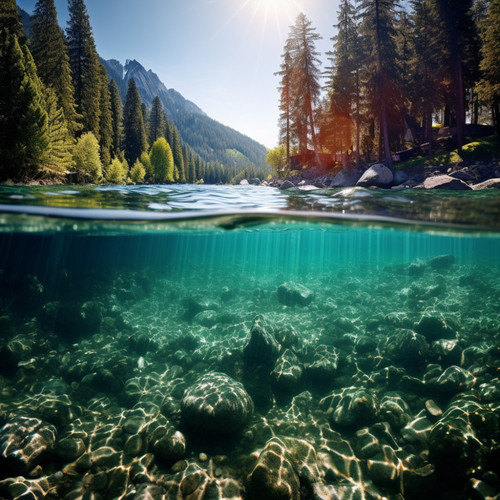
(209, 138)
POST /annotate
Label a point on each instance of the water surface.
(363, 327)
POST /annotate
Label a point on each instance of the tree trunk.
(496, 115)
(428, 127)
(358, 131)
(460, 112)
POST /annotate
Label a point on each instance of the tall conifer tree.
(133, 124)
(344, 84)
(23, 119)
(383, 86)
(176, 147)
(305, 77)
(84, 65)
(58, 158)
(455, 29)
(156, 120)
(105, 117)
(9, 20)
(490, 64)
(286, 107)
(116, 119)
(50, 53)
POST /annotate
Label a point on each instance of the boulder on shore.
(445, 182)
(377, 175)
(489, 184)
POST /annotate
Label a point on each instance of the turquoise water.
(242, 342)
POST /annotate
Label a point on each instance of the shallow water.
(363, 327)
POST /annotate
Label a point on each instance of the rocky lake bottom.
(207, 381)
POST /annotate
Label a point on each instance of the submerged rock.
(433, 328)
(262, 348)
(409, 349)
(442, 262)
(292, 294)
(287, 373)
(216, 404)
(23, 443)
(284, 465)
(351, 407)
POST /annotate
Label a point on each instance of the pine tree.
(133, 125)
(116, 119)
(285, 90)
(305, 78)
(58, 158)
(156, 120)
(489, 86)
(162, 161)
(84, 65)
(455, 29)
(424, 68)
(344, 85)
(105, 117)
(383, 86)
(176, 147)
(23, 119)
(9, 20)
(50, 53)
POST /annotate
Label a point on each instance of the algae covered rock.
(294, 294)
(216, 404)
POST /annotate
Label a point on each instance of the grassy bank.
(480, 150)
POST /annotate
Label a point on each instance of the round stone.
(216, 404)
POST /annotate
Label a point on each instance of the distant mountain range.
(209, 138)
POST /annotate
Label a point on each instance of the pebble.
(432, 407)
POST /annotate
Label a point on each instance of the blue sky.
(221, 54)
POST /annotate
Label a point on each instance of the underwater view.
(240, 342)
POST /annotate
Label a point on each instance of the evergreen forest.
(398, 72)
(62, 118)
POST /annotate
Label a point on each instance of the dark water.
(242, 342)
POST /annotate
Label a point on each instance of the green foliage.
(277, 158)
(50, 53)
(162, 161)
(138, 173)
(116, 119)
(105, 117)
(303, 69)
(23, 119)
(117, 172)
(87, 159)
(58, 158)
(156, 121)
(176, 146)
(483, 149)
(489, 86)
(133, 125)
(9, 20)
(146, 162)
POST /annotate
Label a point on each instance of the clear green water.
(115, 301)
